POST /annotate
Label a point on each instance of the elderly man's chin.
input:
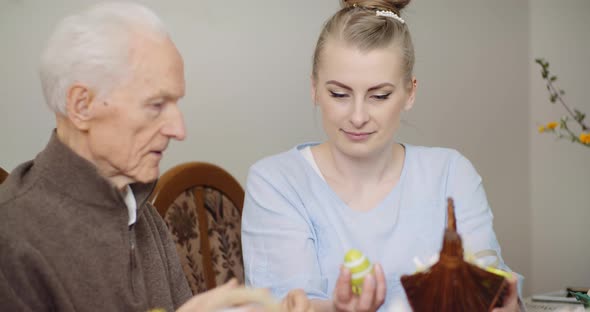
(150, 170)
(148, 175)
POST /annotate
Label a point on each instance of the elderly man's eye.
(157, 105)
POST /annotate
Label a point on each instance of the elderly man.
(76, 230)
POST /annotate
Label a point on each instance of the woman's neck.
(382, 166)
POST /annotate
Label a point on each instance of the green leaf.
(578, 115)
(563, 123)
(553, 78)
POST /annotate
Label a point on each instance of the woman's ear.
(79, 100)
(313, 91)
(411, 94)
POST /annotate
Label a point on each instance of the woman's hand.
(371, 298)
(511, 299)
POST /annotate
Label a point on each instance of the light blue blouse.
(296, 230)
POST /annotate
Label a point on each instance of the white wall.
(560, 170)
(248, 88)
(472, 74)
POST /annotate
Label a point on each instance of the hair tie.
(378, 12)
(390, 14)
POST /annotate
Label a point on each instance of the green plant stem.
(573, 136)
(567, 108)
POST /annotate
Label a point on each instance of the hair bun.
(390, 5)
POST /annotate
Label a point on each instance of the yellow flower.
(552, 125)
(585, 138)
(541, 129)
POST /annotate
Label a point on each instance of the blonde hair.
(358, 24)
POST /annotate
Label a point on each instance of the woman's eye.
(338, 95)
(382, 96)
(158, 105)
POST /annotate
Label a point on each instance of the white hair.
(93, 48)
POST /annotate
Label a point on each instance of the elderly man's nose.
(174, 127)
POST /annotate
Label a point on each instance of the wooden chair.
(3, 175)
(202, 205)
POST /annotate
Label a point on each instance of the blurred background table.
(546, 306)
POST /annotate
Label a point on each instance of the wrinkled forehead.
(156, 64)
(149, 48)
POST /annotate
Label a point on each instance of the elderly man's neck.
(77, 142)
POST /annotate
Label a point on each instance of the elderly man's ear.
(79, 103)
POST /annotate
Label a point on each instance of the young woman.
(305, 208)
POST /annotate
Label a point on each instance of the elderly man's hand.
(232, 297)
(296, 301)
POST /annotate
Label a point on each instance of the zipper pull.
(132, 247)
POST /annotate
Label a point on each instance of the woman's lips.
(357, 136)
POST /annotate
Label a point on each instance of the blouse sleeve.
(278, 240)
(474, 216)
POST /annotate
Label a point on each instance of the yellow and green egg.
(359, 266)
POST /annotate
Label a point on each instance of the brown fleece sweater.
(65, 244)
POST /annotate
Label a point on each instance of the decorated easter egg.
(359, 266)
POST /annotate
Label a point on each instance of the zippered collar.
(79, 178)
